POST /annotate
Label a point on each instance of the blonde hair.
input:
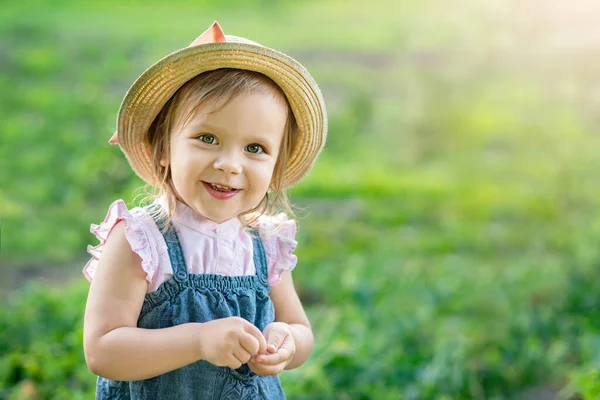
(206, 90)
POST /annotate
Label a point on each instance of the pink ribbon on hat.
(214, 34)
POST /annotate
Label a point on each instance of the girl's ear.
(164, 162)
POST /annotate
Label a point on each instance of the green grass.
(448, 233)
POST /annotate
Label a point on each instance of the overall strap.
(260, 257)
(180, 272)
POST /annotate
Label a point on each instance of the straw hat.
(210, 51)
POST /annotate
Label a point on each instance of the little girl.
(192, 297)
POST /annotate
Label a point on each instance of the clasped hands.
(233, 341)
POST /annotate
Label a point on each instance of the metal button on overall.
(181, 275)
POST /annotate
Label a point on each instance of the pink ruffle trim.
(136, 232)
(277, 234)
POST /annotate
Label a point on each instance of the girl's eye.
(255, 148)
(208, 139)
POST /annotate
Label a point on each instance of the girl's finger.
(241, 355)
(254, 331)
(234, 362)
(249, 343)
(274, 340)
(273, 359)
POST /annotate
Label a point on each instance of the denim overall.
(201, 298)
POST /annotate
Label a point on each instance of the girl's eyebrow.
(258, 139)
(197, 125)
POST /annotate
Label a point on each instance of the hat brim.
(151, 91)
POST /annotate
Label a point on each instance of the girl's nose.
(228, 163)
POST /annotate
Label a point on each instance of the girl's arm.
(288, 309)
(116, 349)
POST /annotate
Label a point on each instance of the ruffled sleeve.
(277, 234)
(141, 233)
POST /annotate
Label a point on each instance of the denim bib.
(201, 298)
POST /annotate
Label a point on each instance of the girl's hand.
(280, 350)
(230, 342)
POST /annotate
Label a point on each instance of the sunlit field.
(448, 234)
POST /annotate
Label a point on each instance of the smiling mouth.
(221, 188)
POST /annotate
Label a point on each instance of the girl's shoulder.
(277, 233)
(141, 233)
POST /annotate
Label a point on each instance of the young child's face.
(235, 147)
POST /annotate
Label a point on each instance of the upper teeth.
(219, 186)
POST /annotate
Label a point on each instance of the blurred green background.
(448, 242)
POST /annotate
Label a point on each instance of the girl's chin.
(216, 217)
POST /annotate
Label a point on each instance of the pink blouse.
(208, 247)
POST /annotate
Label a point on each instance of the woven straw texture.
(158, 84)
